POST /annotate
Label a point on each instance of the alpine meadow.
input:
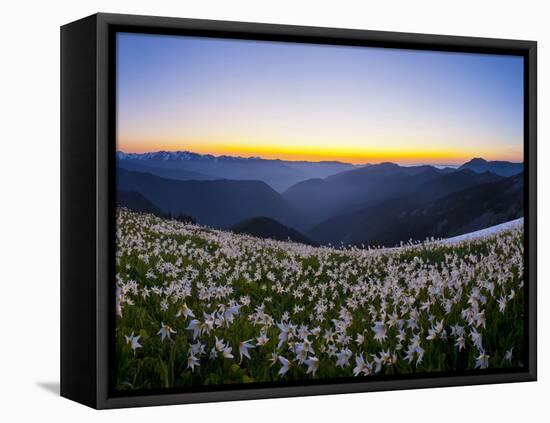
(291, 213)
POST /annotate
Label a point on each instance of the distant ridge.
(325, 202)
(183, 155)
(411, 217)
(477, 164)
(265, 227)
(186, 165)
(321, 199)
(500, 168)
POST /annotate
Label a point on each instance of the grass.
(325, 298)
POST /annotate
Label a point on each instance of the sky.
(297, 101)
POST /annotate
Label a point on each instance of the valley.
(329, 202)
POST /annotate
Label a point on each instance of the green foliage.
(162, 265)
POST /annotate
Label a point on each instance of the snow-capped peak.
(177, 155)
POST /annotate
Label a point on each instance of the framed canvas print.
(254, 211)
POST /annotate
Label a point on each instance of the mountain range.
(185, 165)
(411, 217)
(372, 204)
(218, 203)
(320, 199)
(501, 168)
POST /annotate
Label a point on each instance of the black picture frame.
(87, 201)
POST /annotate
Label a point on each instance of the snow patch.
(485, 232)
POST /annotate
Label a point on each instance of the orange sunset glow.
(317, 103)
(344, 153)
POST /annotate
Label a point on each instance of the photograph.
(292, 213)
(277, 211)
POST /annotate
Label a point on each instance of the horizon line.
(259, 157)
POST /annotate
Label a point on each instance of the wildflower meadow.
(198, 306)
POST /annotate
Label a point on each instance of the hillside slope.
(218, 203)
(411, 218)
(346, 192)
(136, 202)
(264, 227)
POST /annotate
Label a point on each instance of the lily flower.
(285, 334)
(508, 355)
(227, 352)
(165, 331)
(343, 357)
(243, 349)
(460, 343)
(362, 366)
(192, 361)
(312, 365)
(196, 327)
(220, 345)
(379, 329)
(198, 348)
(262, 339)
(274, 358)
(476, 339)
(286, 365)
(133, 341)
(482, 360)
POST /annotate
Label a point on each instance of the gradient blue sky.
(316, 102)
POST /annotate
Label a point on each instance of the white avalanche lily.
(133, 341)
(185, 311)
(362, 366)
(243, 349)
(196, 327)
(192, 361)
(165, 331)
(312, 365)
(286, 365)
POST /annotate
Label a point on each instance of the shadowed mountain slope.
(344, 192)
(217, 203)
(401, 219)
(134, 201)
(501, 168)
(265, 227)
